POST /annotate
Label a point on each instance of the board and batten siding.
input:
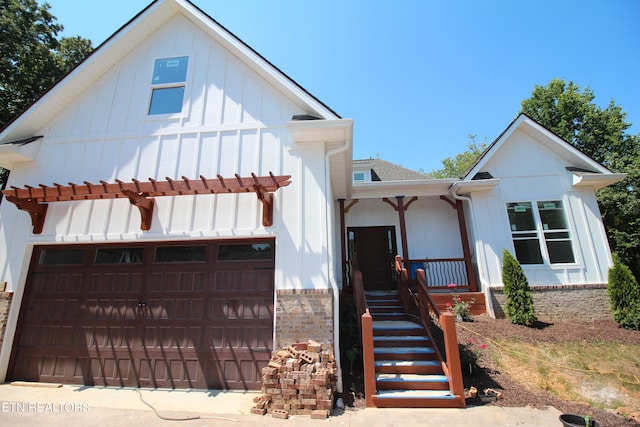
(233, 121)
(432, 225)
(529, 171)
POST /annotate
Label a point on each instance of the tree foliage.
(624, 295)
(518, 298)
(457, 166)
(32, 56)
(601, 133)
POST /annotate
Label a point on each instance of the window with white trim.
(168, 85)
(540, 235)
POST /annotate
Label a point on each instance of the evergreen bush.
(624, 295)
(519, 299)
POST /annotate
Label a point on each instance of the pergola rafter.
(34, 200)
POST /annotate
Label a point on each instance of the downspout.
(330, 244)
(486, 289)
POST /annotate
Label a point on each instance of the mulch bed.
(518, 395)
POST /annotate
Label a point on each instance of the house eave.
(17, 152)
(417, 187)
(321, 130)
(468, 187)
(126, 39)
(336, 136)
(596, 180)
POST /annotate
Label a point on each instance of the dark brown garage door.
(197, 315)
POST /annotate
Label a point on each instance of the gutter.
(486, 289)
(330, 244)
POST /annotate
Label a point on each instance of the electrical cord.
(619, 375)
(196, 417)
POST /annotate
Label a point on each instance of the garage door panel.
(149, 324)
(183, 281)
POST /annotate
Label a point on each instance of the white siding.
(530, 172)
(432, 225)
(233, 121)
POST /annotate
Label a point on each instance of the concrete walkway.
(69, 406)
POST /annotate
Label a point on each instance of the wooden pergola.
(35, 200)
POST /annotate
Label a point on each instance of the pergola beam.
(141, 194)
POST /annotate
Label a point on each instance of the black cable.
(180, 419)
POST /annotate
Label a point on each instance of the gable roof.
(587, 172)
(127, 38)
(381, 170)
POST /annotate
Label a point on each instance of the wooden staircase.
(408, 369)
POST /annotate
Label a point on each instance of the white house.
(178, 207)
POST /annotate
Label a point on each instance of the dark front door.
(170, 315)
(375, 249)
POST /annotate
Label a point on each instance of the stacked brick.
(299, 380)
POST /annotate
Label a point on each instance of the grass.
(601, 374)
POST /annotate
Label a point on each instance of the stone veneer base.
(5, 306)
(563, 302)
(302, 315)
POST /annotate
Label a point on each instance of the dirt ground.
(515, 393)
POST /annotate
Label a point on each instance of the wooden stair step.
(397, 308)
(385, 381)
(416, 399)
(396, 327)
(388, 316)
(381, 293)
(384, 303)
(400, 340)
(404, 353)
(404, 350)
(408, 366)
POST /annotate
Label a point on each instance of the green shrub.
(519, 300)
(624, 295)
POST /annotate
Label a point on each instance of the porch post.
(403, 227)
(343, 251)
(465, 246)
(400, 208)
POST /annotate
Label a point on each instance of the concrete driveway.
(68, 406)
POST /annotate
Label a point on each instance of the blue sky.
(419, 76)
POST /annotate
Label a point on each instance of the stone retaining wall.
(304, 314)
(563, 302)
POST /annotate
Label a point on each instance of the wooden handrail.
(403, 284)
(422, 289)
(451, 365)
(368, 358)
(365, 327)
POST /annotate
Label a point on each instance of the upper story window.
(358, 177)
(540, 234)
(168, 84)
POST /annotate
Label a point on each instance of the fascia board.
(321, 130)
(125, 40)
(481, 185)
(558, 145)
(495, 146)
(87, 72)
(424, 187)
(254, 60)
(596, 180)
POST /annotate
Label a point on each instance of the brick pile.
(300, 379)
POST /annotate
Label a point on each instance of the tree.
(624, 295)
(32, 57)
(570, 112)
(456, 167)
(518, 298)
